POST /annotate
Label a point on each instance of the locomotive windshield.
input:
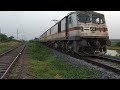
(98, 19)
(94, 18)
(83, 18)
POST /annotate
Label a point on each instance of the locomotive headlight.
(93, 28)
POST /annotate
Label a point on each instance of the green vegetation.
(6, 45)
(5, 38)
(118, 44)
(6, 42)
(114, 40)
(11, 38)
(115, 44)
(113, 48)
(44, 65)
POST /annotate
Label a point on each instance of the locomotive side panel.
(74, 29)
(45, 37)
(48, 35)
(41, 38)
(63, 28)
(54, 32)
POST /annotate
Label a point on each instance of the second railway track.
(108, 62)
(8, 59)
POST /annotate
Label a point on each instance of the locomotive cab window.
(98, 19)
(70, 20)
(83, 18)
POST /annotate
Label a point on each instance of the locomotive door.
(66, 26)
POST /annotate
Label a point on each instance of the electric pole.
(17, 34)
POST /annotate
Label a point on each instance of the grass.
(43, 65)
(6, 45)
(113, 45)
(113, 48)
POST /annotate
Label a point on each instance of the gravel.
(100, 72)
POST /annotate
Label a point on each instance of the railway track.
(108, 62)
(109, 58)
(9, 50)
(8, 59)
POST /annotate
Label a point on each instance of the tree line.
(5, 38)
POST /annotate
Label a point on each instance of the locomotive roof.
(78, 12)
(85, 12)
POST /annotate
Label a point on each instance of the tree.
(36, 39)
(3, 38)
(11, 38)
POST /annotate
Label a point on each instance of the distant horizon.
(109, 38)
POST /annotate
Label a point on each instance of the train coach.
(81, 32)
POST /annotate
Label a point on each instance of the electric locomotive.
(81, 32)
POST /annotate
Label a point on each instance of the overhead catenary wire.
(56, 17)
(46, 26)
(61, 12)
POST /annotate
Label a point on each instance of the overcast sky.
(31, 24)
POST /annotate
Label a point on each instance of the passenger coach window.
(59, 27)
(50, 31)
(70, 20)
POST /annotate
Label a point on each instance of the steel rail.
(4, 53)
(12, 63)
